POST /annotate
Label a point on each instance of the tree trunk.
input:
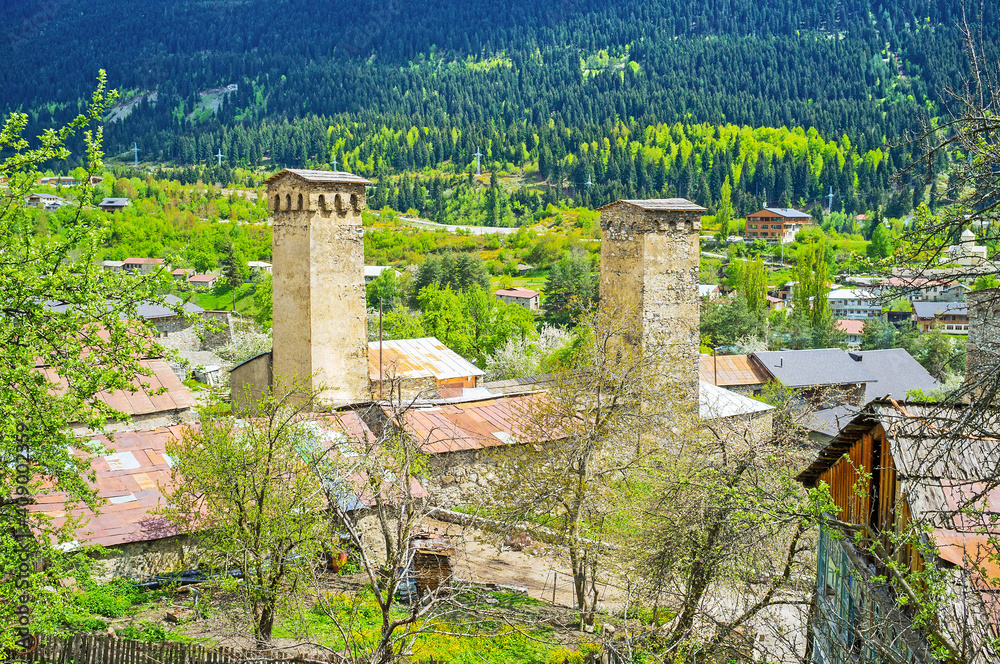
(265, 626)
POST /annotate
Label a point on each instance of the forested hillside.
(624, 95)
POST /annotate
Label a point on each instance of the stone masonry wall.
(318, 280)
(649, 261)
(982, 350)
(143, 560)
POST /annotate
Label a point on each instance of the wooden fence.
(103, 649)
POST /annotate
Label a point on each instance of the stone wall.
(218, 329)
(649, 264)
(982, 350)
(144, 560)
(458, 478)
(248, 382)
(319, 326)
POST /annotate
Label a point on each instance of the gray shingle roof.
(150, 310)
(932, 309)
(830, 421)
(320, 176)
(660, 204)
(896, 371)
(815, 367)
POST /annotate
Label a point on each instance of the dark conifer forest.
(608, 98)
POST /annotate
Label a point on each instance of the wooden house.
(916, 495)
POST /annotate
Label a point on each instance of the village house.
(113, 266)
(523, 297)
(711, 291)
(258, 268)
(911, 288)
(824, 377)
(966, 253)
(900, 474)
(851, 329)
(166, 319)
(203, 281)
(854, 303)
(183, 273)
(775, 225)
(419, 369)
(44, 201)
(113, 204)
(142, 265)
(373, 272)
(733, 372)
(948, 317)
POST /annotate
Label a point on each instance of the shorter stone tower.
(982, 350)
(320, 332)
(649, 265)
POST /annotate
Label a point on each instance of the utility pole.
(135, 151)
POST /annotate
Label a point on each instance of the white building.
(966, 253)
(854, 304)
(372, 272)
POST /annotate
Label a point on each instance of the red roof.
(182, 270)
(850, 326)
(473, 425)
(142, 401)
(912, 282)
(130, 478)
(143, 261)
(203, 278)
(524, 293)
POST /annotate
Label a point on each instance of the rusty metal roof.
(130, 478)
(473, 425)
(319, 176)
(660, 204)
(142, 401)
(732, 370)
(418, 358)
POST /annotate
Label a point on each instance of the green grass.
(463, 641)
(222, 299)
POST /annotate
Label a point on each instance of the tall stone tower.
(982, 350)
(320, 332)
(649, 265)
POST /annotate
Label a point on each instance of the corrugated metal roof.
(788, 213)
(319, 176)
(475, 424)
(130, 477)
(142, 402)
(660, 204)
(418, 358)
(717, 402)
(732, 370)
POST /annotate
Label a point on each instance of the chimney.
(982, 350)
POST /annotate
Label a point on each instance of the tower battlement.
(319, 325)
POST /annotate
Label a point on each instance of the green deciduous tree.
(251, 493)
(59, 310)
(569, 288)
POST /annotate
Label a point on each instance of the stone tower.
(649, 265)
(320, 332)
(982, 350)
